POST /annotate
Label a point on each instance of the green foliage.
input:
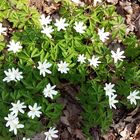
(23, 25)
(19, 13)
(95, 104)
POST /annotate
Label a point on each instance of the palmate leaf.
(133, 49)
(50, 109)
(132, 75)
(4, 5)
(96, 109)
(24, 17)
(18, 18)
(119, 28)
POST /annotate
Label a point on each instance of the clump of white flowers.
(13, 75)
(110, 92)
(15, 125)
(46, 28)
(44, 68)
(12, 119)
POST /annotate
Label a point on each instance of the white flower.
(79, 27)
(14, 46)
(109, 89)
(15, 125)
(118, 55)
(45, 20)
(49, 91)
(52, 133)
(96, 1)
(94, 61)
(13, 75)
(133, 96)
(25, 138)
(34, 111)
(17, 107)
(2, 29)
(10, 119)
(47, 31)
(103, 35)
(60, 24)
(43, 67)
(63, 67)
(13, 122)
(112, 101)
(81, 58)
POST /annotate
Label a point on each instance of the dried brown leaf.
(79, 134)
(52, 8)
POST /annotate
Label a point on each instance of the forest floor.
(126, 123)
